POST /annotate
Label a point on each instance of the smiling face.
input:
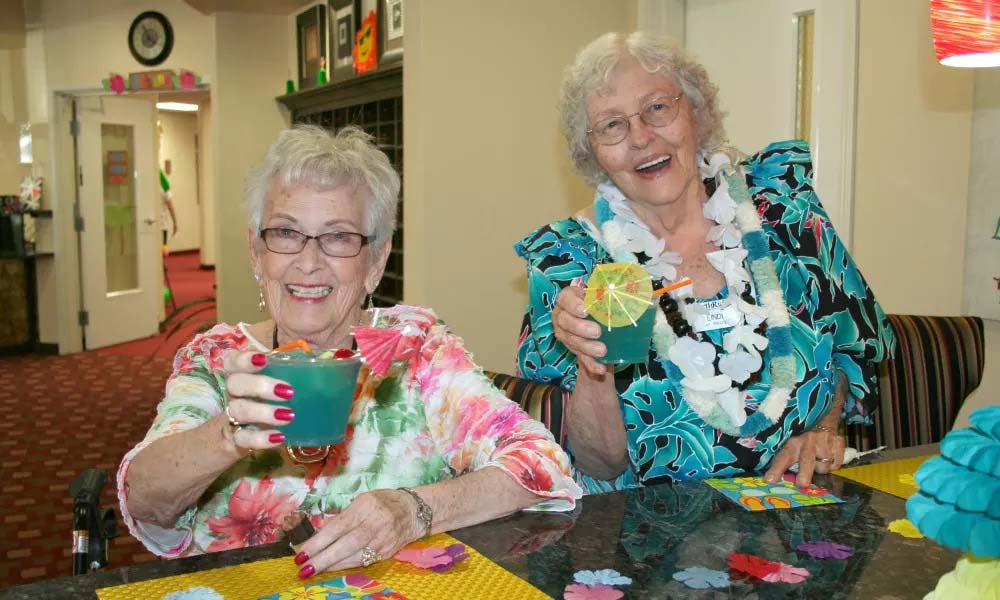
(312, 295)
(653, 166)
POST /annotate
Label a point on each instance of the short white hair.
(591, 70)
(311, 156)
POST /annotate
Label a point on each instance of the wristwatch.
(424, 511)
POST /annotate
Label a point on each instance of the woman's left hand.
(818, 451)
(381, 520)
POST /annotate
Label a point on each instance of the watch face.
(150, 38)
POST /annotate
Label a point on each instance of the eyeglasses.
(658, 112)
(336, 244)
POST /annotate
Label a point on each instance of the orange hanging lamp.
(966, 32)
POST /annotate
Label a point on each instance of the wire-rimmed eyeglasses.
(658, 112)
(336, 244)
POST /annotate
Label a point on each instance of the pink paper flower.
(579, 591)
(433, 558)
(787, 574)
(187, 80)
(825, 549)
(117, 84)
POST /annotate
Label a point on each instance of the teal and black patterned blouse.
(838, 329)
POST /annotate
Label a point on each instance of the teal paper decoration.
(958, 501)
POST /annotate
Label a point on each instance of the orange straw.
(292, 345)
(672, 287)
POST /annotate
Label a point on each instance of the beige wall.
(13, 111)
(206, 173)
(245, 120)
(912, 162)
(177, 144)
(485, 164)
(86, 40)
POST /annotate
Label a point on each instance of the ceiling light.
(179, 106)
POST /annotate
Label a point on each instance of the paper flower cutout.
(434, 558)
(195, 593)
(602, 577)
(826, 549)
(754, 566)
(787, 574)
(700, 578)
(579, 591)
(116, 83)
(905, 528)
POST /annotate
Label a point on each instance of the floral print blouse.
(432, 418)
(838, 329)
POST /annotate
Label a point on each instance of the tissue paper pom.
(957, 503)
(972, 578)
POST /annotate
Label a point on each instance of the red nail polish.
(284, 414)
(301, 557)
(283, 390)
(258, 360)
(307, 571)
(276, 438)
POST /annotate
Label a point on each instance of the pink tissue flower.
(579, 591)
(117, 84)
(787, 574)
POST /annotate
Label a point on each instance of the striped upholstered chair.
(938, 363)
(544, 402)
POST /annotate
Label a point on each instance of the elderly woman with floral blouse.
(751, 368)
(431, 448)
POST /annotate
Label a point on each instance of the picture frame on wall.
(344, 17)
(392, 25)
(310, 27)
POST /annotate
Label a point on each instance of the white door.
(751, 51)
(121, 237)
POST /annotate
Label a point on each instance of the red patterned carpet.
(64, 414)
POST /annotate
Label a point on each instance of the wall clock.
(150, 38)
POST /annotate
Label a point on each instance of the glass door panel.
(121, 256)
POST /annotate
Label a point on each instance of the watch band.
(424, 511)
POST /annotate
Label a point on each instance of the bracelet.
(424, 511)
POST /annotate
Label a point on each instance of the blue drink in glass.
(628, 344)
(324, 392)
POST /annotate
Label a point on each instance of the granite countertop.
(648, 534)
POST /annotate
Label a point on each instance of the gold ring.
(369, 556)
(823, 429)
(233, 422)
(824, 460)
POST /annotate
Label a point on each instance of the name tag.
(715, 314)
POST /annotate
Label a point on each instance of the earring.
(371, 304)
(261, 304)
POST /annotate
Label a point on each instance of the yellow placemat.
(475, 577)
(892, 477)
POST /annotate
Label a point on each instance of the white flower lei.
(713, 394)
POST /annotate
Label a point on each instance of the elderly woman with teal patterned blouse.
(755, 365)
(431, 445)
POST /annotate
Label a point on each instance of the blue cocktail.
(324, 392)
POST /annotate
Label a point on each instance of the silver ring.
(824, 460)
(369, 556)
(823, 429)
